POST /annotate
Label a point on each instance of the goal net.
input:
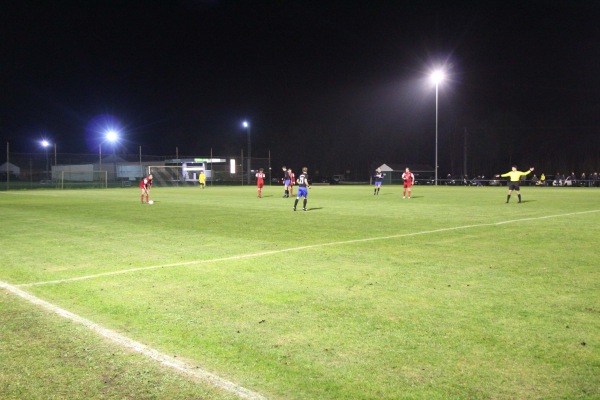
(82, 179)
(174, 175)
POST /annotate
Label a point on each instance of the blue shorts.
(302, 192)
(287, 182)
(377, 184)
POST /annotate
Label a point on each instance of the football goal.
(174, 175)
(82, 179)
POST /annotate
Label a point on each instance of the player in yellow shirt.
(202, 179)
(515, 179)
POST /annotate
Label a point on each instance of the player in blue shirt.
(378, 180)
(303, 186)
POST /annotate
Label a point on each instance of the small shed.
(387, 173)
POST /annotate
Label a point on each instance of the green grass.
(361, 297)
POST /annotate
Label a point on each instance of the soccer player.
(146, 185)
(286, 181)
(409, 179)
(202, 179)
(260, 181)
(378, 180)
(292, 180)
(515, 178)
(303, 186)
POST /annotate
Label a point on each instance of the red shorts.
(260, 185)
(407, 184)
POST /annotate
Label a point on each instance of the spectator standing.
(573, 179)
(534, 180)
(558, 180)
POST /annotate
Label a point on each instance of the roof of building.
(400, 167)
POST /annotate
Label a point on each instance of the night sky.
(333, 85)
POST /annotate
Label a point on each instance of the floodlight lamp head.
(245, 124)
(111, 136)
(45, 143)
(438, 76)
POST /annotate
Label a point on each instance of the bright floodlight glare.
(111, 136)
(437, 76)
(245, 124)
(45, 143)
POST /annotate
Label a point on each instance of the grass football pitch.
(451, 294)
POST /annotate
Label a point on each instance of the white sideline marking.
(138, 347)
(186, 368)
(312, 246)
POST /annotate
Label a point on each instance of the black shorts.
(513, 186)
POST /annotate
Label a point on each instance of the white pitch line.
(290, 249)
(138, 347)
(198, 372)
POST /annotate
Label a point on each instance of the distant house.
(11, 169)
(393, 172)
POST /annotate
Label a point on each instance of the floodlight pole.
(246, 125)
(45, 144)
(7, 165)
(437, 77)
(436, 132)
(249, 155)
(111, 136)
(47, 164)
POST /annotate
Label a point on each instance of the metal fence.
(504, 182)
(65, 171)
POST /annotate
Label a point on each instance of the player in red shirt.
(260, 181)
(146, 185)
(409, 179)
(292, 180)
